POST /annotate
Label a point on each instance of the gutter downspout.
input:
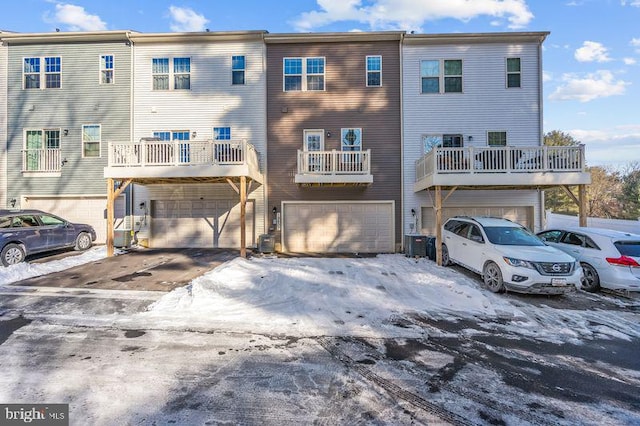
(541, 218)
(402, 153)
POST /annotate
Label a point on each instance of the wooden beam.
(451, 191)
(233, 185)
(110, 216)
(571, 194)
(438, 207)
(243, 216)
(582, 205)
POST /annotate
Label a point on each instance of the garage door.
(520, 214)
(92, 210)
(333, 227)
(199, 223)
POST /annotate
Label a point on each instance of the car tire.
(446, 261)
(83, 241)
(12, 254)
(591, 280)
(492, 277)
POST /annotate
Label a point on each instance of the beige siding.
(3, 127)
(345, 102)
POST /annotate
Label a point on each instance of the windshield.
(512, 236)
(628, 248)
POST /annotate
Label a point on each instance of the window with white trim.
(374, 71)
(303, 74)
(171, 74)
(351, 139)
(514, 77)
(238, 67)
(497, 138)
(41, 150)
(106, 69)
(222, 133)
(35, 76)
(91, 138)
(430, 141)
(438, 76)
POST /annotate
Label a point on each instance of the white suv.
(508, 256)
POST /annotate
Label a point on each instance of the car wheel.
(590, 279)
(492, 276)
(12, 254)
(83, 241)
(446, 261)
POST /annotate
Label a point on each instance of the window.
(160, 71)
(351, 139)
(513, 72)
(497, 138)
(433, 79)
(42, 150)
(447, 141)
(303, 74)
(222, 133)
(91, 136)
(106, 69)
(237, 70)
(35, 79)
(182, 73)
(374, 71)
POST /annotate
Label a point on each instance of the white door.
(313, 141)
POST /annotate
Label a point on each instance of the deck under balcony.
(334, 168)
(196, 160)
(506, 166)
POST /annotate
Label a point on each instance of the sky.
(299, 299)
(591, 59)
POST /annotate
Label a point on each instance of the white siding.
(3, 126)
(485, 105)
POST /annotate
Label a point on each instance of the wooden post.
(582, 205)
(243, 216)
(438, 207)
(110, 216)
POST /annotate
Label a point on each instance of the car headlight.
(511, 261)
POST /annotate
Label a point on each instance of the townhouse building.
(3, 123)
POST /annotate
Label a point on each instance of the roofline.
(65, 37)
(198, 36)
(332, 37)
(498, 37)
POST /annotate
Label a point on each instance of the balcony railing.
(334, 162)
(41, 160)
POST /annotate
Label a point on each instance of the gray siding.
(346, 102)
(485, 105)
(80, 100)
(3, 126)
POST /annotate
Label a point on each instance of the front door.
(313, 144)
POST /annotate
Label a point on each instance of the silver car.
(609, 259)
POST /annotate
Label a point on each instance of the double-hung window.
(106, 69)
(303, 74)
(238, 66)
(182, 73)
(171, 75)
(91, 136)
(513, 72)
(438, 76)
(36, 75)
(374, 71)
(160, 72)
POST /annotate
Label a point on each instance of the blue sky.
(591, 58)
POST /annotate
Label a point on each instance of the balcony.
(39, 161)
(334, 167)
(182, 159)
(502, 166)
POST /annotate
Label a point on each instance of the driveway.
(136, 269)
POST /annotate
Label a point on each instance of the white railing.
(181, 153)
(334, 162)
(41, 160)
(506, 159)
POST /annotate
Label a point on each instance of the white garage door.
(91, 210)
(520, 214)
(199, 223)
(334, 227)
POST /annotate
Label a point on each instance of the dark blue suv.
(26, 232)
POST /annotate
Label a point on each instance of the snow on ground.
(25, 270)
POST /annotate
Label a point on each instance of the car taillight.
(623, 261)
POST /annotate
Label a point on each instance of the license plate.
(558, 281)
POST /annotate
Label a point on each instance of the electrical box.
(415, 245)
(266, 243)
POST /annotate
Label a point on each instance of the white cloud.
(600, 84)
(75, 18)
(635, 3)
(411, 14)
(629, 61)
(610, 146)
(592, 51)
(186, 20)
(547, 76)
(635, 42)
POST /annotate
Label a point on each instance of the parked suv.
(610, 259)
(508, 256)
(25, 232)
